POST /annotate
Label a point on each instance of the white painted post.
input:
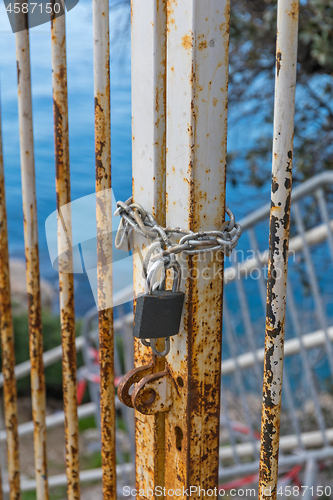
(197, 86)
(148, 143)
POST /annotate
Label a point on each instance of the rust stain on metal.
(32, 259)
(278, 62)
(202, 44)
(158, 209)
(104, 243)
(194, 362)
(274, 338)
(153, 393)
(18, 72)
(66, 282)
(170, 20)
(278, 249)
(149, 429)
(7, 348)
(293, 12)
(187, 41)
(132, 377)
(104, 277)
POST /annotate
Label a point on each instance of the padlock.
(158, 312)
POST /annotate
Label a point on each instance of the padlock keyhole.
(179, 438)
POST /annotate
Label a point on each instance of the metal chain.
(157, 260)
(135, 218)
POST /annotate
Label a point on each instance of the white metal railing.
(306, 341)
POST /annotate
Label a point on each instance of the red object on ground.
(81, 389)
(243, 481)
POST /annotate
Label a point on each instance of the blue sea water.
(81, 128)
(81, 125)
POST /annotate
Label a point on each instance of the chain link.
(135, 218)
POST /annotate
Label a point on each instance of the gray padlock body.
(158, 314)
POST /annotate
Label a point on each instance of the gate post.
(197, 86)
(148, 152)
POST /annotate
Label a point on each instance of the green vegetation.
(92, 461)
(28, 495)
(55, 494)
(52, 338)
(87, 423)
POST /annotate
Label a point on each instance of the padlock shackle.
(151, 275)
(177, 274)
(166, 264)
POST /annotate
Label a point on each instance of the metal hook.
(158, 353)
(152, 343)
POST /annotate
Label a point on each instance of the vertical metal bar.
(247, 324)
(124, 480)
(1, 493)
(231, 433)
(319, 307)
(289, 398)
(309, 376)
(231, 339)
(284, 110)
(104, 242)
(32, 257)
(320, 195)
(261, 282)
(310, 478)
(66, 281)
(286, 381)
(127, 332)
(7, 347)
(197, 86)
(148, 152)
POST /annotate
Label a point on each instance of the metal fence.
(306, 433)
(179, 139)
(307, 380)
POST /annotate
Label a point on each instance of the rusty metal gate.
(179, 144)
(308, 329)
